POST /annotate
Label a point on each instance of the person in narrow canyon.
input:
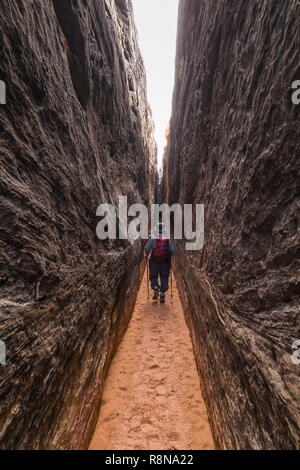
(161, 249)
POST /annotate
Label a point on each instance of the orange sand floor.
(152, 398)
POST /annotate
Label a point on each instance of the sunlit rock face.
(153, 171)
(74, 134)
(164, 171)
(235, 146)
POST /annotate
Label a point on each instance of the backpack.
(161, 250)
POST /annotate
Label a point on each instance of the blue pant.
(162, 270)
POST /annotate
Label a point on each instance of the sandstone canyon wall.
(235, 146)
(75, 133)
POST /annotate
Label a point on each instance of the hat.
(160, 230)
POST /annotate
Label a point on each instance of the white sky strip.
(156, 21)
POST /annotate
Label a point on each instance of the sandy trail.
(152, 398)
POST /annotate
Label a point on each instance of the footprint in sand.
(173, 436)
(146, 420)
(161, 390)
(155, 366)
(110, 417)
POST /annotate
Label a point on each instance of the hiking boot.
(162, 298)
(156, 294)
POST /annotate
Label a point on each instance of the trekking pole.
(148, 279)
(171, 284)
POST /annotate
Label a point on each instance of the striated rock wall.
(235, 146)
(74, 134)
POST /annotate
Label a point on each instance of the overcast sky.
(156, 22)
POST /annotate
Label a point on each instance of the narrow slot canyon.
(87, 360)
(152, 398)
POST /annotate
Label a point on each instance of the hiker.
(161, 249)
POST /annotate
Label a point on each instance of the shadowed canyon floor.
(152, 398)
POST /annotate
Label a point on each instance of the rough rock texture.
(74, 134)
(235, 146)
